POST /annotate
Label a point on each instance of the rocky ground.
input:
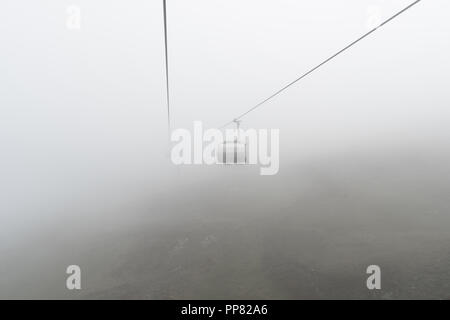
(309, 233)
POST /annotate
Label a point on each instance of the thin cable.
(167, 67)
(322, 63)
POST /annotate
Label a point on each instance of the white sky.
(83, 111)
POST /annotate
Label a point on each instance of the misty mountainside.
(310, 232)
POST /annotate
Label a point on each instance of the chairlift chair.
(234, 151)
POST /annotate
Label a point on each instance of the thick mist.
(86, 179)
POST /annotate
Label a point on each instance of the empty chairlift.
(234, 151)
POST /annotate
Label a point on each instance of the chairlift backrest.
(231, 152)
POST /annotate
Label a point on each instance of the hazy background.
(364, 161)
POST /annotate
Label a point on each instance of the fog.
(86, 179)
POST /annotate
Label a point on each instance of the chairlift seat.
(231, 152)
